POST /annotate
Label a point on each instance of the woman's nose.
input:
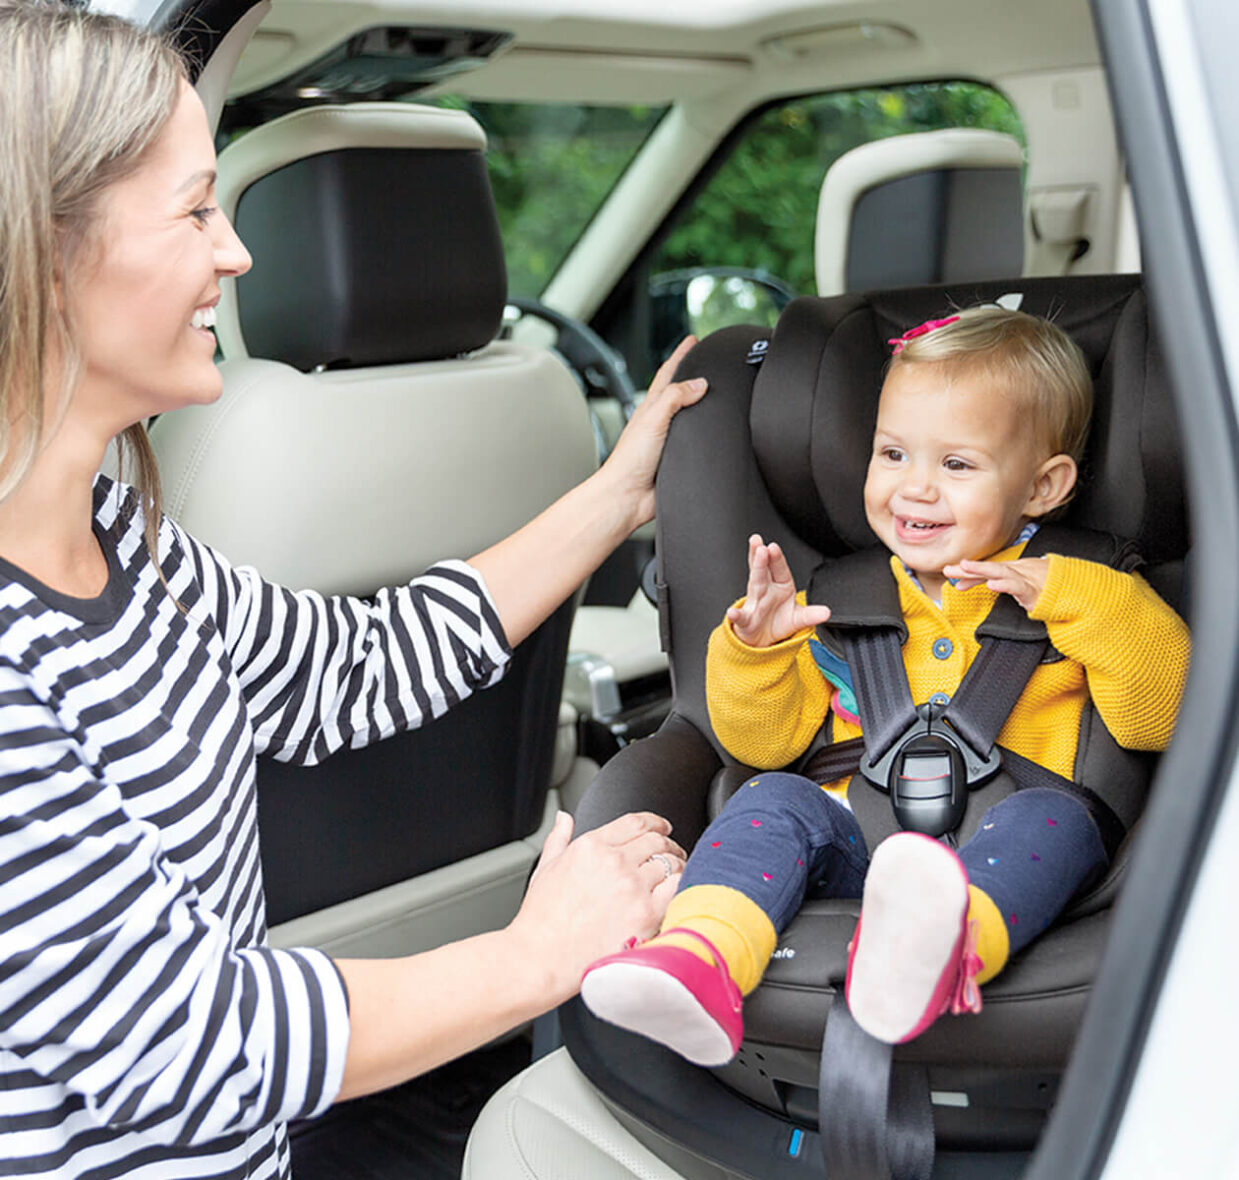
(231, 256)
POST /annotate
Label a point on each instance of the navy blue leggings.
(781, 836)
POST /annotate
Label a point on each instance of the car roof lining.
(793, 46)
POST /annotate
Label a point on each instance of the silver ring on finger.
(665, 861)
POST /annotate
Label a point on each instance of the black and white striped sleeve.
(118, 986)
(323, 673)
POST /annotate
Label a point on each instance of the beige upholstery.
(355, 478)
(548, 1123)
(365, 476)
(880, 161)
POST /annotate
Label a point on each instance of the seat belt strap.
(875, 1121)
(977, 712)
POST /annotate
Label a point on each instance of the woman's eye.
(203, 214)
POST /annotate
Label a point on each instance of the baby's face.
(953, 469)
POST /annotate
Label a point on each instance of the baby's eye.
(203, 214)
(893, 454)
(954, 464)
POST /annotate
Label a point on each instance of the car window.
(551, 167)
(740, 246)
(758, 209)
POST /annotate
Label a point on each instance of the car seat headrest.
(374, 237)
(815, 404)
(933, 207)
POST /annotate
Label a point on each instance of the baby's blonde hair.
(1032, 359)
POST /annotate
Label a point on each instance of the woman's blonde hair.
(1034, 360)
(82, 96)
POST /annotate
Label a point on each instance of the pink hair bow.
(920, 330)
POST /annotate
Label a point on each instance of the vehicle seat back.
(371, 424)
(932, 207)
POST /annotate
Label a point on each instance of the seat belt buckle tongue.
(928, 773)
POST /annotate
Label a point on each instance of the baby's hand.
(1023, 579)
(770, 613)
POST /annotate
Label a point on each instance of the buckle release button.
(925, 776)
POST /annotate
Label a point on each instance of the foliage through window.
(551, 167)
(759, 208)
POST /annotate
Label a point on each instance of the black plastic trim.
(1196, 770)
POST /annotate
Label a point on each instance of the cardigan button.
(942, 648)
(939, 698)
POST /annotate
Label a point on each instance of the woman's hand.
(589, 896)
(633, 462)
(1023, 579)
(586, 898)
(770, 613)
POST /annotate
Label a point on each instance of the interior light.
(832, 39)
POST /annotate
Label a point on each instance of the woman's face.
(143, 298)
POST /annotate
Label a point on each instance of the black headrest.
(371, 256)
(815, 404)
(948, 225)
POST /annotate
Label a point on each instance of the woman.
(145, 1027)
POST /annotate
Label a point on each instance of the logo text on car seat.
(757, 352)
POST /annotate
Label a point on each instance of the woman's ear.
(1053, 484)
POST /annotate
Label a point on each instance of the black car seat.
(780, 447)
(371, 423)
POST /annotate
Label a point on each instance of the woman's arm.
(320, 674)
(118, 983)
(532, 571)
(584, 901)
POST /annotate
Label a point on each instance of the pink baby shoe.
(913, 955)
(671, 996)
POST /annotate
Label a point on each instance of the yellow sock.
(737, 926)
(993, 943)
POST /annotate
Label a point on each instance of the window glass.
(551, 167)
(759, 209)
(741, 247)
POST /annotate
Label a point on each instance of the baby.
(981, 424)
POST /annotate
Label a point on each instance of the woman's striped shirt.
(146, 1029)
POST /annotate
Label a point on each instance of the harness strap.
(991, 686)
(977, 712)
(883, 697)
(835, 761)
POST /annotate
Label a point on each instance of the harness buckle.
(928, 773)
